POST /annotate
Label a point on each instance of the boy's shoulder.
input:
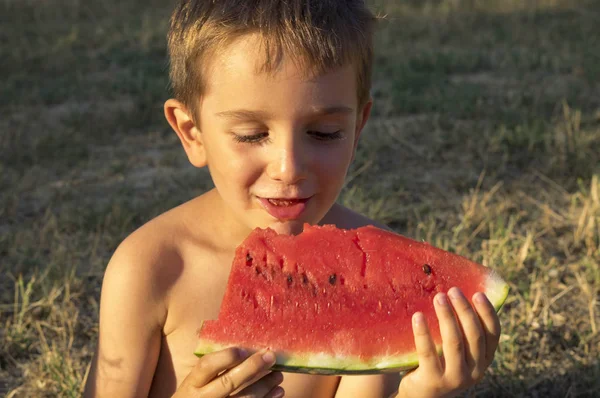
(167, 265)
(156, 238)
(148, 254)
(155, 252)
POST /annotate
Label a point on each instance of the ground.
(485, 140)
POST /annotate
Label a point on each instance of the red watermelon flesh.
(336, 301)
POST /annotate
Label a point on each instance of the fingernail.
(243, 353)
(418, 320)
(455, 293)
(268, 357)
(278, 392)
(278, 378)
(442, 299)
(479, 298)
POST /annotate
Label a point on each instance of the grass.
(485, 141)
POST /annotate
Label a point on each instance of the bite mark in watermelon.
(334, 301)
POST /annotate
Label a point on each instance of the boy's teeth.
(281, 202)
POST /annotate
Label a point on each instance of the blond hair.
(320, 35)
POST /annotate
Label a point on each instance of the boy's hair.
(319, 35)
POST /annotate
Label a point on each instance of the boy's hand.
(221, 373)
(468, 344)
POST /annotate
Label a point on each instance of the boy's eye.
(261, 138)
(251, 139)
(336, 135)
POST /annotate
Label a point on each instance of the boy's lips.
(284, 208)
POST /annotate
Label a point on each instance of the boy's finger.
(263, 387)
(475, 350)
(233, 379)
(426, 351)
(277, 392)
(210, 365)
(489, 322)
(452, 339)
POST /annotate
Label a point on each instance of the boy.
(271, 96)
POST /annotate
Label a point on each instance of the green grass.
(485, 141)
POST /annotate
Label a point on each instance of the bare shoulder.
(155, 253)
(345, 218)
(147, 261)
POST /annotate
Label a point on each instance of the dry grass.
(485, 141)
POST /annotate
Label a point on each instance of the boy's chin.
(287, 227)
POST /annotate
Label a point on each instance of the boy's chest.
(197, 297)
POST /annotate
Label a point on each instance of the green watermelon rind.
(323, 364)
(496, 290)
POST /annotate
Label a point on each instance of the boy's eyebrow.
(243, 114)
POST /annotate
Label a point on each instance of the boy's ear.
(361, 120)
(181, 121)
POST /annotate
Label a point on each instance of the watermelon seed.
(290, 279)
(332, 279)
(304, 278)
(427, 269)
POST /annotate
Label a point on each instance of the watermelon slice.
(334, 301)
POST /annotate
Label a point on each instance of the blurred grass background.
(485, 140)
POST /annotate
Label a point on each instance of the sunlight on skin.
(92, 165)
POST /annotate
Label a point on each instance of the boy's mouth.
(284, 208)
(284, 202)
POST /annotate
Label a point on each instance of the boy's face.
(277, 145)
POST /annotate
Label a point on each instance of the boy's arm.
(131, 313)
(376, 386)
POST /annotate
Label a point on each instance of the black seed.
(289, 280)
(427, 269)
(332, 279)
(248, 259)
(304, 278)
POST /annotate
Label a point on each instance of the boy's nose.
(288, 164)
